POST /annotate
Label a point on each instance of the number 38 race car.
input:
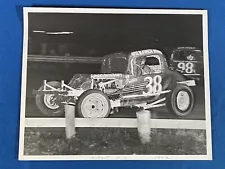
(140, 79)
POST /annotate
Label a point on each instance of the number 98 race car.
(189, 62)
(139, 79)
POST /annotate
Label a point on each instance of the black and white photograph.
(115, 84)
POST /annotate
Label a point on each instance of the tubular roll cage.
(63, 90)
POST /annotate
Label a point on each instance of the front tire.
(93, 104)
(46, 105)
(180, 102)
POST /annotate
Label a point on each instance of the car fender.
(177, 78)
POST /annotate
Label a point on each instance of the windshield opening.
(184, 54)
(152, 61)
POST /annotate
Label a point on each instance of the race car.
(189, 62)
(139, 79)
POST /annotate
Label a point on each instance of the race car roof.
(186, 48)
(134, 54)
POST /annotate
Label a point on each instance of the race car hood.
(84, 81)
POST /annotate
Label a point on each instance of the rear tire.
(180, 102)
(44, 104)
(93, 104)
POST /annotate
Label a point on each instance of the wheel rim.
(94, 105)
(49, 101)
(183, 100)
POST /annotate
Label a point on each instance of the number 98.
(188, 67)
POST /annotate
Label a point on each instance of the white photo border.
(204, 13)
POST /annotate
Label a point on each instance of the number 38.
(154, 84)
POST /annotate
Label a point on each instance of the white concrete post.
(143, 126)
(70, 121)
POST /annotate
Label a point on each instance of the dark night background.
(95, 35)
(100, 34)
